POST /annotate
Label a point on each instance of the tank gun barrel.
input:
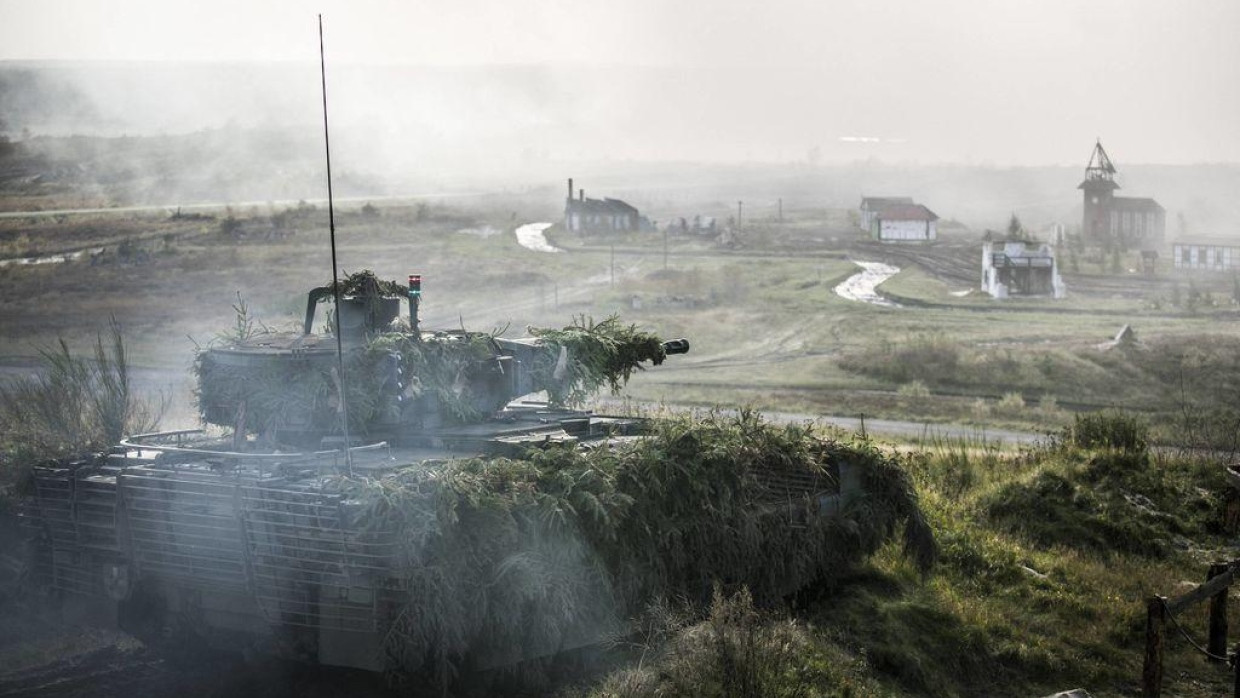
(676, 346)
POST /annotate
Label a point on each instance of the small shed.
(904, 223)
(871, 205)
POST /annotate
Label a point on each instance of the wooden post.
(1217, 643)
(1235, 665)
(1155, 622)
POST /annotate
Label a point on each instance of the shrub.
(1113, 430)
(929, 358)
(740, 652)
(980, 408)
(73, 405)
(1116, 502)
(916, 388)
(1011, 403)
(509, 556)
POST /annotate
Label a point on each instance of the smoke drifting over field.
(469, 87)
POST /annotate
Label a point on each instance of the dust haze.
(463, 87)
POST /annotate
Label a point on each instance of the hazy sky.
(1002, 81)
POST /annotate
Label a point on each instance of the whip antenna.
(331, 224)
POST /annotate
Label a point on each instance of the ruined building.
(584, 215)
(1116, 221)
(1020, 268)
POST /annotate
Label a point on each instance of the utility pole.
(738, 215)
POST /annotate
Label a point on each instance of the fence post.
(1235, 666)
(1217, 643)
(1155, 622)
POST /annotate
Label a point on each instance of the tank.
(446, 515)
(246, 539)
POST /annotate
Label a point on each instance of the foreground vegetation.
(72, 406)
(1046, 554)
(1047, 557)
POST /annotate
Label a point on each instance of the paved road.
(901, 429)
(217, 205)
(175, 385)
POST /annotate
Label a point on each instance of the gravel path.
(863, 286)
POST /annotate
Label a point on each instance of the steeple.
(1099, 173)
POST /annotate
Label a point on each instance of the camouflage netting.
(603, 353)
(296, 393)
(518, 558)
(302, 392)
(364, 284)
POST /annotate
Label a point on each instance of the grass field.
(1047, 554)
(766, 327)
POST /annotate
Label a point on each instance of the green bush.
(1111, 430)
(916, 388)
(1114, 501)
(740, 652)
(929, 358)
(73, 404)
(508, 557)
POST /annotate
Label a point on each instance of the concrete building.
(584, 215)
(1018, 268)
(1109, 220)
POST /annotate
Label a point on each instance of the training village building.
(1126, 222)
(1022, 268)
(898, 219)
(582, 215)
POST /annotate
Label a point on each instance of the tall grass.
(740, 651)
(1109, 430)
(74, 404)
(518, 558)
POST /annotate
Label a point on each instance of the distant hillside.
(184, 132)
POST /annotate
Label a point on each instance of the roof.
(1209, 242)
(1099, 172)
(906, 212)
(1143, 203)
(1020, 253)
(873, 202)
(600, 206)
(1099, 161)
(1098, 184)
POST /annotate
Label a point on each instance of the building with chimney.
(582, 215)
(1117, 221)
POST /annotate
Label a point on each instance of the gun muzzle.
(676, 346)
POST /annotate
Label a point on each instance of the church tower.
(1099, 187)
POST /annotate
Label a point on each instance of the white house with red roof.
(903, 222)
